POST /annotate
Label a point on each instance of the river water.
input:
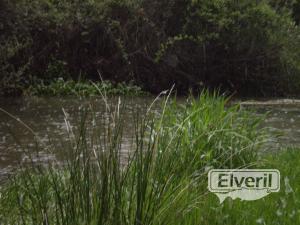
(46, 118)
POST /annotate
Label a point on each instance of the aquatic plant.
(61, 87)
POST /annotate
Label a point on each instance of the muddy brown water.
(45, 117)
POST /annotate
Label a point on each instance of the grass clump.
(162, 180)
(59, 87)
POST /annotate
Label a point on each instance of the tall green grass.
(281, 208)
(162, 180)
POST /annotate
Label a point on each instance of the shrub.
(249, 47)
(244, 46)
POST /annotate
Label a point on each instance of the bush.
(249, 47)
(243, 46)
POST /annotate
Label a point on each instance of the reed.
(162, 180)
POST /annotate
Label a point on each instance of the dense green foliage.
(244, 46)
(164, 181)
(59, 87)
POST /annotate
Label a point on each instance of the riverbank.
(249, 48)
(161, 180)
(275, 209)
(62, 88)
